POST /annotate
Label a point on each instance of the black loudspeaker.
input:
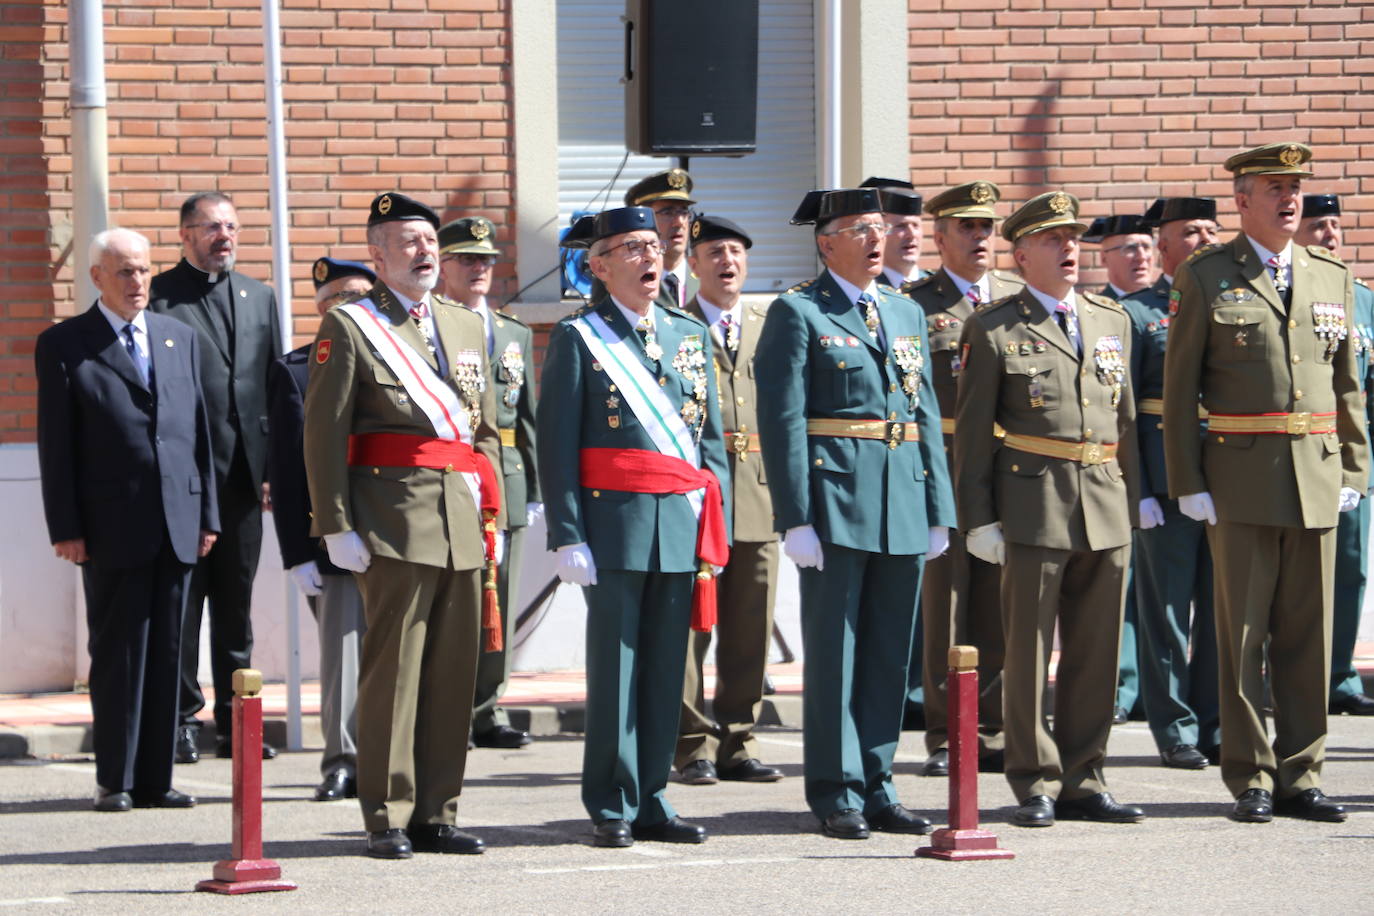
(691, 76)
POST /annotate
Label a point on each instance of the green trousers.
(1352, 562)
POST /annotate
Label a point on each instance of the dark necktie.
(670, 283)
(144, 369)
(729, 331)
(1068, 323)
(1279, 266)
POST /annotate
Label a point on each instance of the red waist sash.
(640, 471)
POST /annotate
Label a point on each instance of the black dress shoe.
(612, 834)
(186, 750)
(502, 736)
(1213, 754)
(1357, 705)
(224, 749)
(900, 819)
(751, 770)
(169, 799)
(1120, 716)
(1183, 757)
(699, 773)
(105, 800)
(1254, 806)
(336, 785)
(673, 830)
(1035, 811)
(1310, 805)
(1100, 807)
(994, 762)
(389, 844)
(444, 838)
(937, 764)
(848, 824)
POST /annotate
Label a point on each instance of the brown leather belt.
(1155, 408)
(741, 444)
(508, 438)
(889, 431)
(1083, 452)
(1291, 424)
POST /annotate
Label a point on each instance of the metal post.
(90, 160)
(831, 90)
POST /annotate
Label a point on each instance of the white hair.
(106, 240)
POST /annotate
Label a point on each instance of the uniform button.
(1292, 323)
(892, 387)
(1087, 433)
(613, 388)
(1297, 395)
(1297, 358)
(736, 373)
(662, 381)
(1221, 438)
(841, 364)
(376, 471)
(1016, 467)
(926, 473)
(1087, 403)
(448, 469)
(1159, 426)
(596, 493)
(892, 416)
(819, 462)
(519, 467)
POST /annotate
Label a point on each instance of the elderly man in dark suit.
(235, 318)
(124, 450)
(331, 592)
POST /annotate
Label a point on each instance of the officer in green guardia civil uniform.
(960, 604)
(1261, 335)
(1321, 225)
(850, 430)
(1173, 566)
(635, 482)
(400, 445)
(902, 247)
(722, 745)
(1126, 250)
(467, 260)
(1053, 502)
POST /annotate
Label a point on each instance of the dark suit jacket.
(180, 293)
(286, 382)
(123, 467)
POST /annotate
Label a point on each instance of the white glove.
(1151, 513)
(347, 551)
(533, 512)
(307, 578)
(1349, 499)
(500, 547)
(987, 544)
(1198, 507)
(939, 543)
(717, 570)
(575, 565)
(803, 547)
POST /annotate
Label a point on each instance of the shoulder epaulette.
(805, 284)
(679, 313)
(1202, 252)
(994, 304)
(443, 300)
(912, 285)
(1006, 277)
(1362, 283)
(1321, 251)
(1103, 301)
(510, 316)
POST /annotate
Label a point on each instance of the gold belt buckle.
(739, 444)
(1299, 424)
(1092, 453)
(894, 433)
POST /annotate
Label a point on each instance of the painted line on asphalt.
(31, 901)
(646, 866)
(784, 742)
(206, 785)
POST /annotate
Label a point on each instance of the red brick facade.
(1116, 100)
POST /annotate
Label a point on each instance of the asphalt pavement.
(764, 855)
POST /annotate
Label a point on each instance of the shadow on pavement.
(174, 853)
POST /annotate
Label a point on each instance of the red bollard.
(963, 840)
(247, 872)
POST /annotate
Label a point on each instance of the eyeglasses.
(637, 248)
(213, 229)
(674, 212)
(861, 229)
(1132, 248)
(471, 260)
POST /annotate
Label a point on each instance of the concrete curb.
(539, 720)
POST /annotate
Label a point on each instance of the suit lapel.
(1039, 320)
(202, 312)
(611, 314)
(109, 349)
(1256, 273)
(401, 325)
(836, 305)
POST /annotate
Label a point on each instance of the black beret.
(1320, 205)
(1122, 224)
(622, 219)
(709, 228)
(394, 205)
(1167, 209)
(329, 269)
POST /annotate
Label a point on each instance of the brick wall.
(408, 94)
(1121, 101)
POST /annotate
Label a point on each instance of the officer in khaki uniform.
(1054, 502)
(850, 432)
(1321, 225)
(669, 195)
(400, 445)
(726, 747)
(1261, 334)
(1173, 567)
(467, 257)
(960, 604)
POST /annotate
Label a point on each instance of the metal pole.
(832, 17)
(281, 280)
(90, 163)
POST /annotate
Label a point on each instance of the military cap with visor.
(1272, 159)
(469, 235)
(971, 200)
(674, 184)
(1045, 211)
(393, 206)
